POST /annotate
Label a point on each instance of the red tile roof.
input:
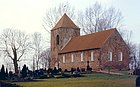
(65, 22)
(90, 41)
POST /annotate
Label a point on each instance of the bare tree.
(46, 58)
(37, 46)
(138, 55)
(134, 49)
(15, 44)
(54, 14)
(127, 36)
(96, 18)
(132, 54)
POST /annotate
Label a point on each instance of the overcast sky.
(27, 15)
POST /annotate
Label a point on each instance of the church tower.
(63, 31)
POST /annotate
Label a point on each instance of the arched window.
(57, 39)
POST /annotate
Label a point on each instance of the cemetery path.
(113, 73)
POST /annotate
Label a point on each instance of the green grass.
(89, 80)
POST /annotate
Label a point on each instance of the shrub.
(78, 70)
(59, 70)
(49, 70)
(72, 70)
(11, 74)
(55, 71)
(65, 70)
(82, 69)
(136, 72)
(2, 73)
(6, 73)
(76, 74)
(24, 71)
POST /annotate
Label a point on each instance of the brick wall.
(114, 44)
(77, 60)
(64, 35)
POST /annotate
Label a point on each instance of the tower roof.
(65, 22)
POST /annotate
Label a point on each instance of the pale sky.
(27, 15)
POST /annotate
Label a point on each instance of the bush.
(6, 73)
(89, 68)
(55, 71)
(76, 74)
(45, 76)
(2, 73)
(136, 72)
(65, 70)
(66, 75)
(82, 69)
(49, 70)
(78, 70)
(59, 70)
(3, 84)
(24, 71)
(11, 74)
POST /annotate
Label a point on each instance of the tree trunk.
(15, 66)
(37, 66)
(15, 61)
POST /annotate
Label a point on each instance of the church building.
(98, 50)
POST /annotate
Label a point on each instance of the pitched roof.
(86, 42)
(65, 22)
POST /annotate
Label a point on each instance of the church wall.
(115, 44)
(77, 60)
(64, 35)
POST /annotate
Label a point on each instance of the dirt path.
(113, 73)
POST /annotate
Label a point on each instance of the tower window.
(57, 39)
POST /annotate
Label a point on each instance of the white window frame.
(72, 58)
(92, 56)
(82, 56)
(110, 56)
(64, 60)
(120, 56)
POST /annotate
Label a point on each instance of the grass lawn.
(89, 80)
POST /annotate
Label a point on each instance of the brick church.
(98, 50)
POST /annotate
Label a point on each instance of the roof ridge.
(96, 32)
